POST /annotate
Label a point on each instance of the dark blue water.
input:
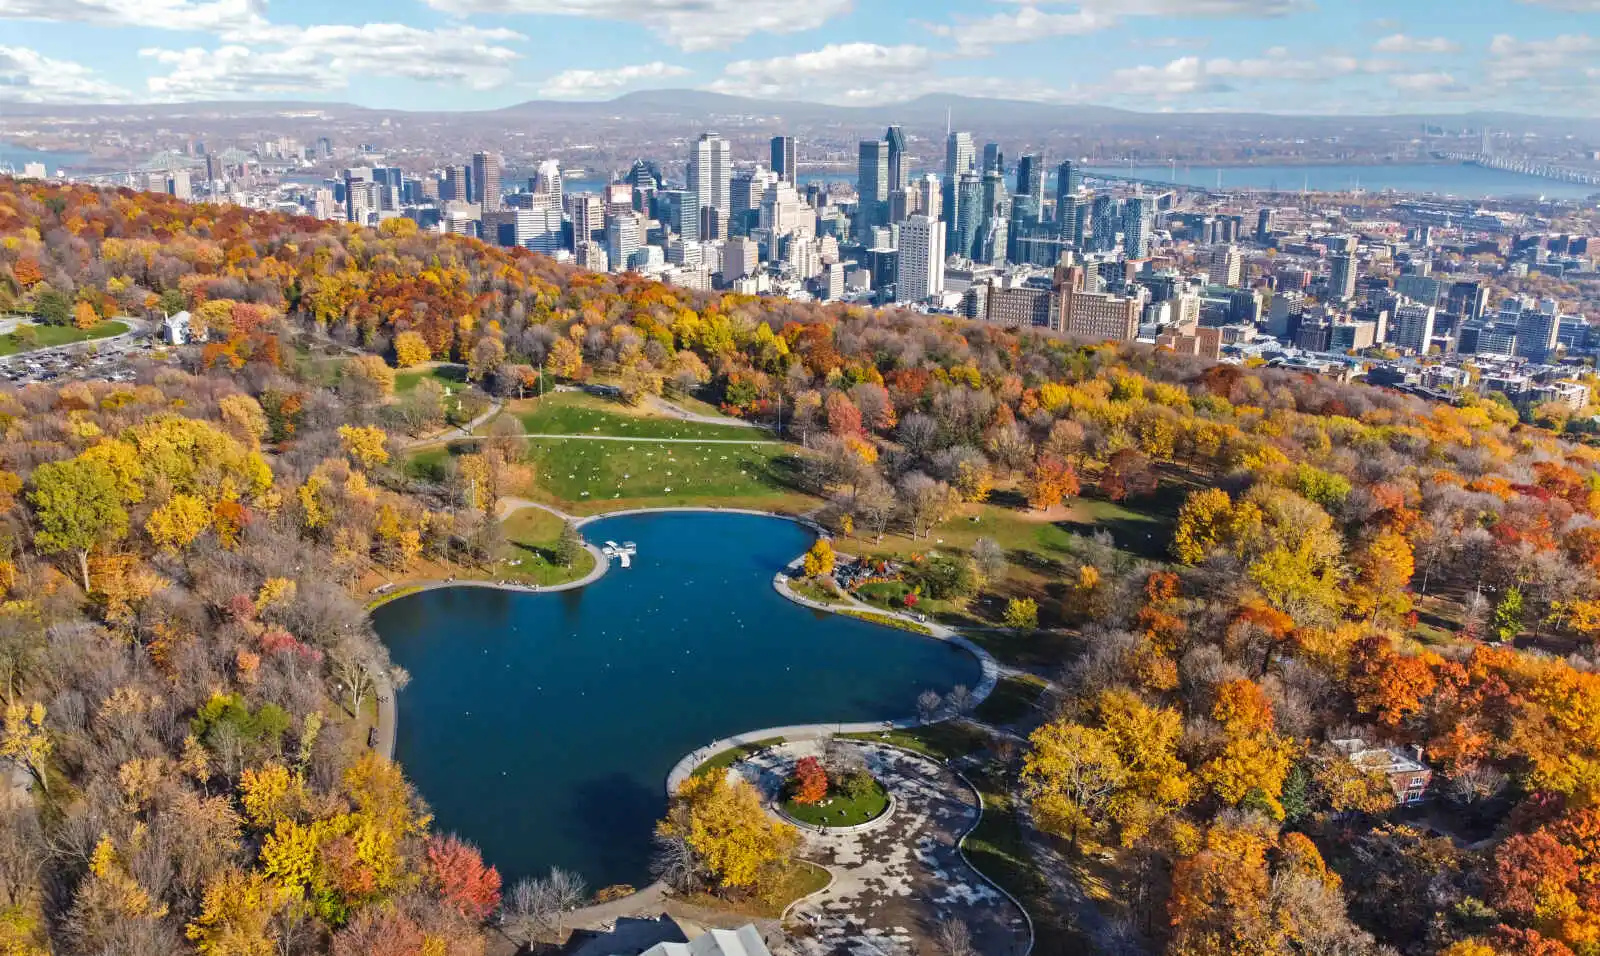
(542, 727)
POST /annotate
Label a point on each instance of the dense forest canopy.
(189, 676)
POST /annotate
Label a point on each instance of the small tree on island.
(568, 546)
(810, 782)
(819, 560)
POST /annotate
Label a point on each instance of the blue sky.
(1290, 56)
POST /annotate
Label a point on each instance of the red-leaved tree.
(810, 781)
(464, 882)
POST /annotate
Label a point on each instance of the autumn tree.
(410, 349)
(1049, 482)
(819, 560)
(79, 509)
(456, 869)
(1070, 775)
(1022, 614)
(730, 834)
(810, 782)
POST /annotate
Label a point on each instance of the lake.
(1468, 182)
(542, 727)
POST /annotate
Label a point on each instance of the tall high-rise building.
(872, 183)
(1136, 215)
(785, 157)
(1412, 327)
(921, 260)
(1030, 177)
(1538, 328)
(899, 162)
(1068, 183)
(1468, 299)
(679, 212)
(1105, 217)
(486, 179)
(967, 224)
(1342, 277)
(457, 184)
(993, 158)
(1227, 265)
(711, 174)
(1073, 221)
(588, 211)
(995, 230)
(546, 182)
(958, 162)
(1264, 224)
(930, 197)
(624, 237)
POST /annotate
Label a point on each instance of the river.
(1452, 179)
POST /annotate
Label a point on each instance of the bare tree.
(675, 862)
(989, 557)
(959, 699)
(928, 704)
(953, 938)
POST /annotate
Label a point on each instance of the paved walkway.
(679, 412)
(892, 883)
(455, 432)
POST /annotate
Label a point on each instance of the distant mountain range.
(924, 112)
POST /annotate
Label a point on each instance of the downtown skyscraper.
(872, 184)
(711, 181)
(486, 179)
(899, 162)
(785, 158)
(958, 162)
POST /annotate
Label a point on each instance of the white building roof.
(744, 941)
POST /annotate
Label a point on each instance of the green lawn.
(450, 376)
(1013, 699)
(531, 535)
(50, 336)
(733, 755)
(943, 741)
(604, 475)
(997, 849)
(839, 810)
(578, 413)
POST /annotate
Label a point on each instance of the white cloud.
(866, 74)
(1193, 76)
(317, 58)
(1191, 9)
(1571, 6)
(1426, 83)
(27, 76)
(1559, 64)
(208, 15)
(1031, 21)
(1027, 24)
(590, 84)
(687, 24)
(1400, 43)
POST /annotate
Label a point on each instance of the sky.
(1284, 56)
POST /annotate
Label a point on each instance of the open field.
(451, 376)
(51, 336)
(578, 413)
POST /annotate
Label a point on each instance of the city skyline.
(1283, 56)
